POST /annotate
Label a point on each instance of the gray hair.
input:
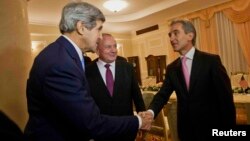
(187, 27)
(106, 34)
(79, 11)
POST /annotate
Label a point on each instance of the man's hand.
(147, 119)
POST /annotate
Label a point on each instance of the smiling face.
(180, 41)
(107, 49)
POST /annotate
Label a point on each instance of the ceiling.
(138, 15)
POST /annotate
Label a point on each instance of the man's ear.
(191, 35)
(80, 27)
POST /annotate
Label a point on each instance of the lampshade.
(115, 5)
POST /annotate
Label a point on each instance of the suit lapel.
(196, 66)
(180, 75)
(71, 51)
(118, 79)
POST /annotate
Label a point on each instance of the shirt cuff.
(152, 112)
(140, 121)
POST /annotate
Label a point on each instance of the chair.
(159, 126)
(170, 111)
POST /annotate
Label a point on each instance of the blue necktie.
(83, 64)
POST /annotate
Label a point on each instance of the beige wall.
(126, 45)
(15, 59)
(41, 36)
(44, 32)
(152, 43)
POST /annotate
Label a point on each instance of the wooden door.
(156, 66)
(134, 60)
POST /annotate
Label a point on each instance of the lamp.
(115, 5)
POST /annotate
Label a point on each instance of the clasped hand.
(147, 119)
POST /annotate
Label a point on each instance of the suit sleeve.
(223, 88)
(162, 97)
(67, 89)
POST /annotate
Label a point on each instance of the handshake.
(147, 119)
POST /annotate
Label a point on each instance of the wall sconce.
(37, 47)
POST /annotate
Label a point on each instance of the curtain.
(206, 35)
(228, 45)
(239, 14)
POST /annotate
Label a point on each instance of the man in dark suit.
(125, 92)
(59, 102)
(204, 94)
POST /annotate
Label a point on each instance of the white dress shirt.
(190, 56)
(101, 66)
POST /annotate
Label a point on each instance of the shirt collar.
(190, 53)
(78, 50)
(102, 63)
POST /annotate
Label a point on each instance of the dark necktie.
(185, 71)
(109, 79)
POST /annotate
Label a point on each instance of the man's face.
(107, 49)
(180, 40)
(91, 36)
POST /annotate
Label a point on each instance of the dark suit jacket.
(207, 104)
(59, 103)
(126, 92)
